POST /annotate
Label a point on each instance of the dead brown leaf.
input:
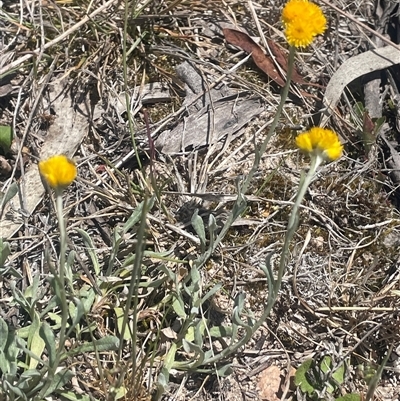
(263, 62)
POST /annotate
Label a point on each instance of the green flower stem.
(293, 222)
(240, 201)
(260, 151)
(60, 292)
(273, 285)
(239, 206)
(61, 276)
(130, 12)
(292, 225)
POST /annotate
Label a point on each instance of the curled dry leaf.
(263, 62)
(353, 68)
(169, 334)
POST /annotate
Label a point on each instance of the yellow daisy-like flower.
(293, 9)
(58, 171)
(302, 21)
(320, 142)
(299, 34)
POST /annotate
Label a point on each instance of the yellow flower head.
(58, 171)
(302, 21)
(320, 142)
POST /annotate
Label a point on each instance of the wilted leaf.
(5, 166)
(63, 137)
(368, 124)
(5, 90)
(264, 62)
(168, 334)
(352, 68)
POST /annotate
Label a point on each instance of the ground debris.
(214, 113)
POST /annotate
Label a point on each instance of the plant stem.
(240, 202)
(294, 220)
(59, 287)
(259, 152)
(61, 277)
(239, 206)
(125, 75)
